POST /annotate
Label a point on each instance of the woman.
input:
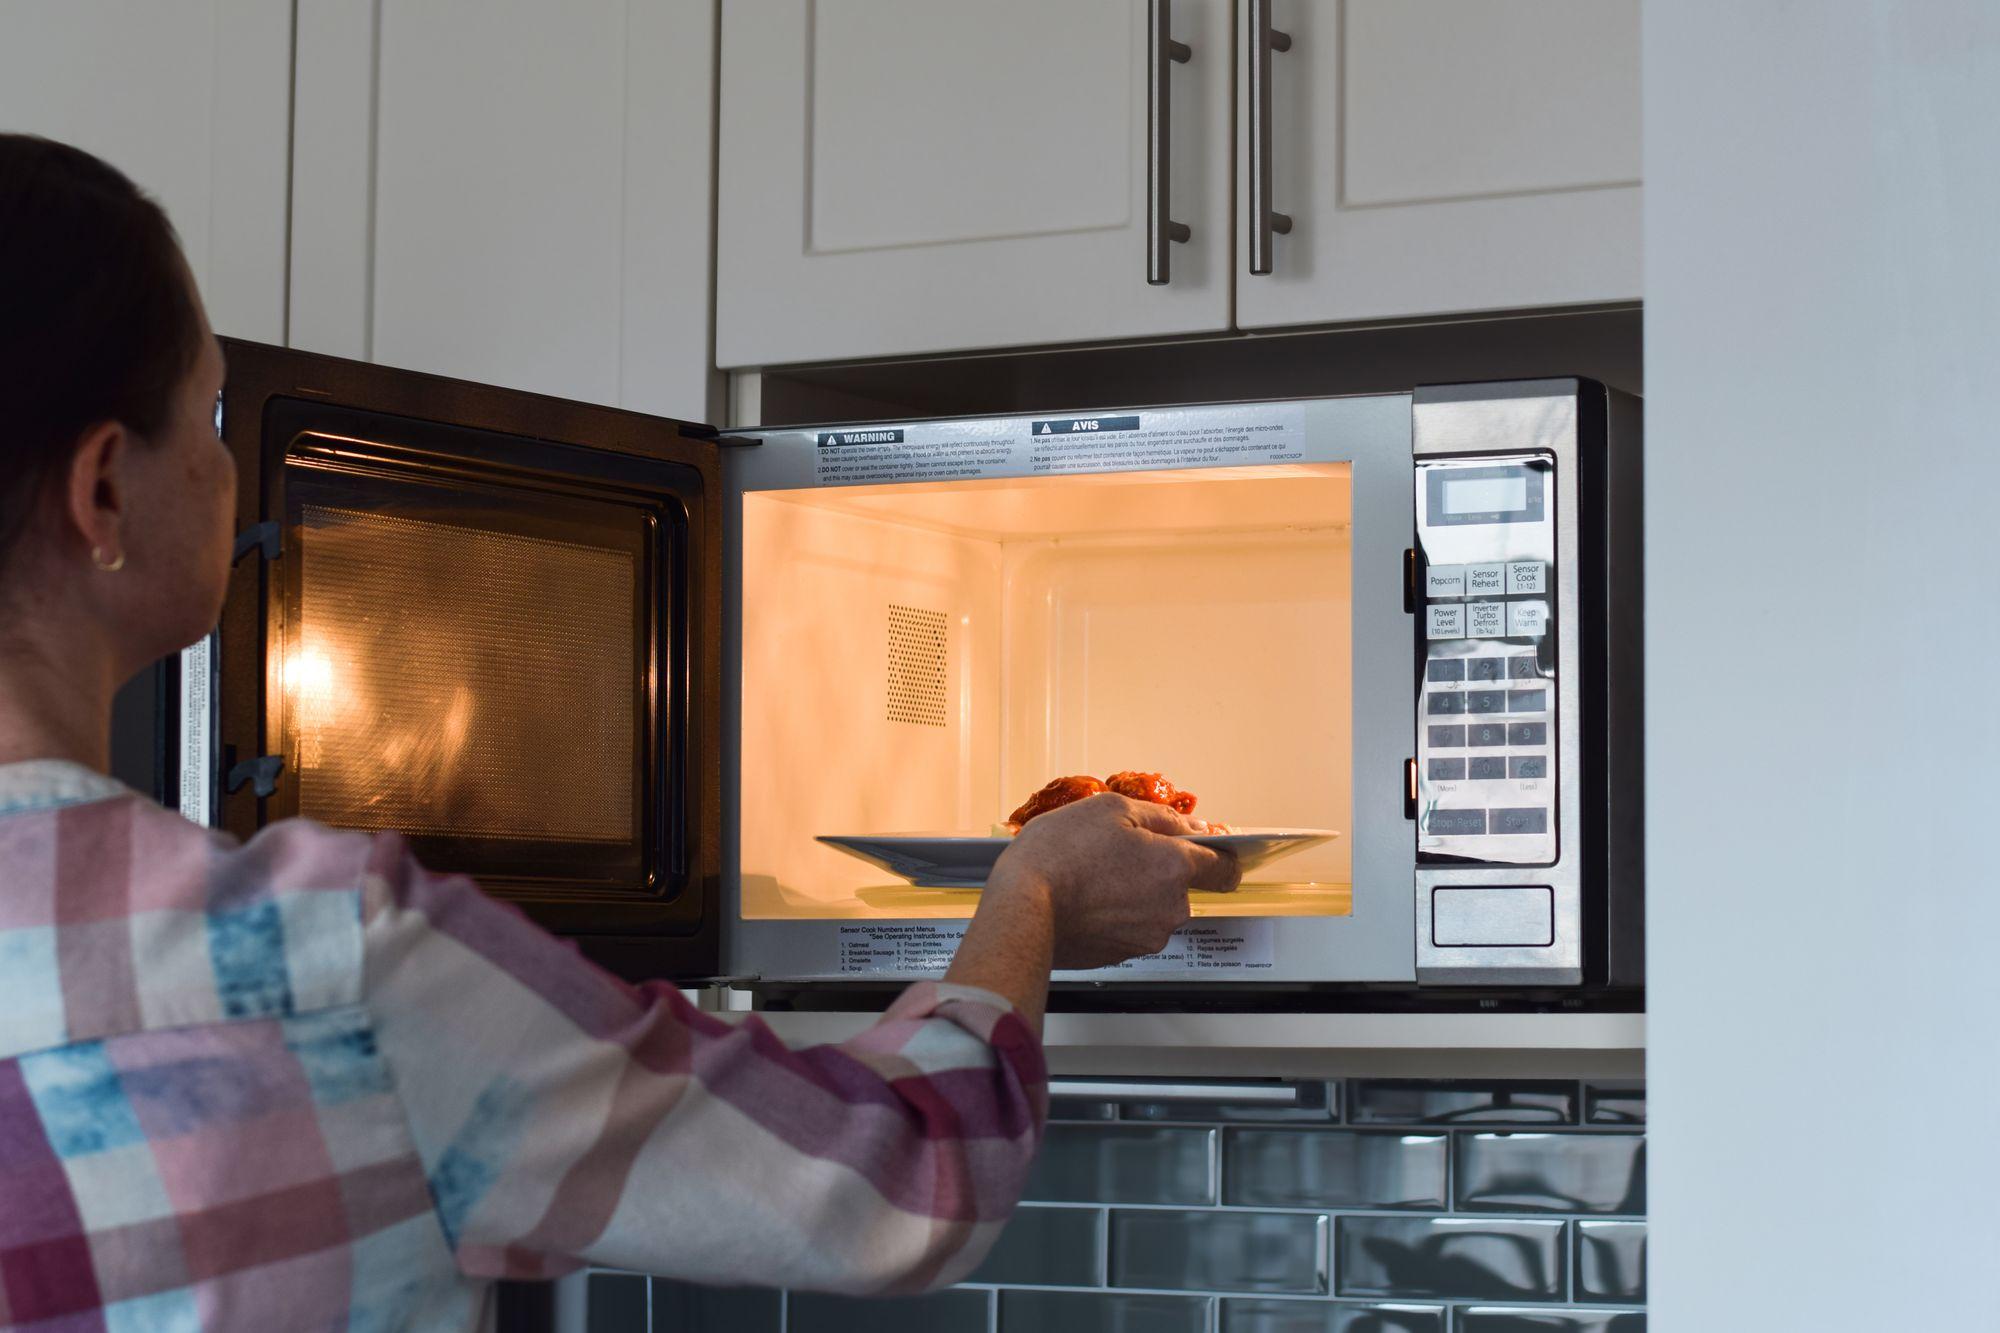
(301, 1083)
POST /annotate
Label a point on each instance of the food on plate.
(1130, 784)
(1151, 787)
(1055, 796)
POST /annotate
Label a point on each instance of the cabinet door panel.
(1066, 146)
(514, 193)
(924, 175)
(191, 100)
(1450, 155)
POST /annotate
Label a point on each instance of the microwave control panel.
(1486, 700)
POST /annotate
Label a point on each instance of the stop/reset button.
(1493, 917)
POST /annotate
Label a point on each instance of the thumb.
(1213, 871)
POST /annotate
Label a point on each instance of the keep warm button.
(1527, 620)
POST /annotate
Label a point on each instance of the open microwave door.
(485, 620)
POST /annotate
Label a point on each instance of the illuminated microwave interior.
(920, 658)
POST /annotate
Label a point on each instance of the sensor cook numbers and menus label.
(1486, 704)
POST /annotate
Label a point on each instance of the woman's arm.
(565, 1117)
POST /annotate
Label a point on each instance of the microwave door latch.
(265, 537)
(261, 773)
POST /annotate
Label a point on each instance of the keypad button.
(1528, 576)
(1527, 733)
(1455, 823)
(1484, 668)
(1446, 703)
(1527, 701)
(1444, 581)
(1446, 622)
(1447, 770)
(1445, 668)
(1524, 667)
(1485, 620)
(1527, 620)
(1445, 738)
(1528, 766)
(1524, 819)
(1485, 580)
(1487, 766)
(1486, 701)
(1488, 733)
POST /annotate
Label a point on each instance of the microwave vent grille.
(917, 675)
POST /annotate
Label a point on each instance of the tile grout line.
(1104, 1247)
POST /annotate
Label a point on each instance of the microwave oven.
(728, 705)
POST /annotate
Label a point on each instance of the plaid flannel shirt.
(300, 1083)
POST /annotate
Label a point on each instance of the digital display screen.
(1462, 496)
(1486, 495)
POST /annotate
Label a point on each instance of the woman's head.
(116, 499)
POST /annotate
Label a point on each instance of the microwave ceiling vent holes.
(917, 666)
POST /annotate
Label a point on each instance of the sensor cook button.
(1528, 576)
(1475, 918)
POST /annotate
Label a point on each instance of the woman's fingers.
(1155, 818)
(1212, 871)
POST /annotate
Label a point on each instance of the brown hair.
(97, 318)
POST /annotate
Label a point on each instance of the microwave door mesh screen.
(459, 682)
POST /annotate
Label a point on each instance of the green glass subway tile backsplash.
(1387, 1206)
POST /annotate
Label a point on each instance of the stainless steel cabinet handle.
(1229, 1094)
(1161, 230)
(1264, 221)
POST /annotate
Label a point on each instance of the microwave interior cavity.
(923, 657)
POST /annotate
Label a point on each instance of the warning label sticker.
(1184, 437)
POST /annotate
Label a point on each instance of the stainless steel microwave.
(751, 706)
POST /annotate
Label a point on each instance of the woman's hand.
(1116, 874)
(1088, 885)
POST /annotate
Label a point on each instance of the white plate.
(958, 861)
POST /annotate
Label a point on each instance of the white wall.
(1823, 375)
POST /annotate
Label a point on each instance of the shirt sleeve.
(564, 1117)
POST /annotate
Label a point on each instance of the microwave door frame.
(1372, 945)
(667, 460)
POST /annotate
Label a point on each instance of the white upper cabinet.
(903, 176)
(191, 99)
(1438, 156)
(510, 191)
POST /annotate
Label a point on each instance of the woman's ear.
(95, 497)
